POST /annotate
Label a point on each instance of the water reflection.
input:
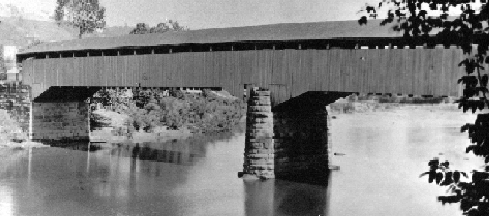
(383, 155)
(6, 201)
(191, 177)
(187, 152)
(278, 197)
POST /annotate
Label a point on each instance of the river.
(191, 177)
(379, 174)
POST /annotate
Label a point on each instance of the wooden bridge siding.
(297, 85)
(408, 71)
(428, 77)
(238, 84)
(49, 76)
(64, 74)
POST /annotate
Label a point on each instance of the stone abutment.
(61, 115)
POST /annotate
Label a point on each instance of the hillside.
(28, 9)
(112, 31)
(19, 32)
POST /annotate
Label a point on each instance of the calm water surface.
(191, 177)
(384, 155)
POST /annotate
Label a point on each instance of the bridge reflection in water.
(191, 177)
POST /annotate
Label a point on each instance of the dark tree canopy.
(469, 31)
(87, 15)
(143, 28)
(3, 69)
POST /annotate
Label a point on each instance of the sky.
(199, 14)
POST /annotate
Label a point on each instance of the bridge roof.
(274, 32)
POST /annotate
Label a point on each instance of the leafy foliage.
(143, 28)
(150, 108)
(469, 31)
(3, 69)
(87, 15)
(10, 129)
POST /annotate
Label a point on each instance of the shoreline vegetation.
(155, 115)
(11, 134)
(151, 115)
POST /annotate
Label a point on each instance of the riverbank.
(12, 136)
(160, 115)
(23, 145)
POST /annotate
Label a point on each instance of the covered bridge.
(303, 61)
(289, 59)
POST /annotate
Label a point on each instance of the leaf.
(386, 21)
(418, 5)
(484, 80)
(422, 13)
(465, 127)
(464, 62)
(481, 105)
(468, 80)
(397, 12)
(362, 20)
(370, 8)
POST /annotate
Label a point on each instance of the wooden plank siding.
(292, 72)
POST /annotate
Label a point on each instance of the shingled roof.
(274, 32)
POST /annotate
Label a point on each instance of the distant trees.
(87, 15)
(143, 28)
(3, 69)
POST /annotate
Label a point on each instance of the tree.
(87, 15)
(175, 26)
(469, 31)
(3, 69)
(160, 28)
(143, 28)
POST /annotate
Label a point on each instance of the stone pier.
(259, 151)
(289, 141)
